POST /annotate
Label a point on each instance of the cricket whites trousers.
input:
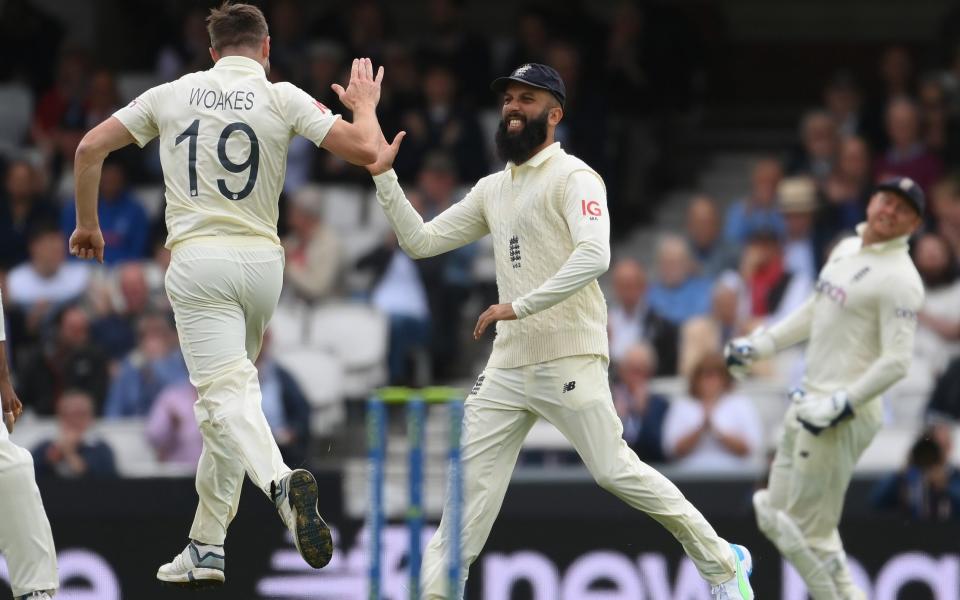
(800, 509)
(25, 538)
(223, 291)
(573, 394)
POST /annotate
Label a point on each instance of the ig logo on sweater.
(590, 208)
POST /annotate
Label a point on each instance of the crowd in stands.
(753, 262)
(90, 341)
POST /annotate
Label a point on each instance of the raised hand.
(386, 154)
(363, 89)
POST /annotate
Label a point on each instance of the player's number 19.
(192, 132)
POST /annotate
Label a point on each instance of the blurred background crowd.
(727, 188)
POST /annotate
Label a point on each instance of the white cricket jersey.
(551, 234)
(224, 135)
(860, 320)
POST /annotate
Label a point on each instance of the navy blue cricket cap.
(536, 75)
(907, 189)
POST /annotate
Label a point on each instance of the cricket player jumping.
(223, 147)
(547, 214)
(859, 324)
(25, 538)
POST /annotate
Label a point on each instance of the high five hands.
(363, 89)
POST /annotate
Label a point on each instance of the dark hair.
(236, 25)
(710, 363)
(41, 228)
(925, 453)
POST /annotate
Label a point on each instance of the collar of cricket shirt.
(891, 244)
(537, 159)
(241, 63)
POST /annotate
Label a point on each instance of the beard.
(518, 147)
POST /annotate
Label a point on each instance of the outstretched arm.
(459, 225)
(87, 241)
(357, 142)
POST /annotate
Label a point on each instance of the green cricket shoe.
(737, 587)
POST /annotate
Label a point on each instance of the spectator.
(712, 252)
(946, 207)
(713, 429)
(757, 211)
(846, 193)
(928, 488)
(678, 293)
(153, 365)
(313, 252)
(190, 52)
(940, 129)
(447, 278)
(123, 220)
(842, 101)
(641, 410)
(818, 146)
(59, 120)
(585, 123)
(450, 41)
(797, 200)
(304, 163)
(442, 124)
(22, 208)
(907, 155)
(75, 452)
(172, 427)
(116, 330)
(937, 338)
(288, 38)
(773, 290)
(398, 291)
(632, 321)
(47, 281)
(897, 75)
(709, 333)
(530, 40)
(945, 400)
(285, 407)
(367, 30)
(71, 360)
(102, 98)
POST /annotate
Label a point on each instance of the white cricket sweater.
(551, 237)
(860, 321)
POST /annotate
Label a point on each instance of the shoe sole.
(313, 536)
(196, 579)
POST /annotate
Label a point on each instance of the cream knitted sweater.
(551, 237)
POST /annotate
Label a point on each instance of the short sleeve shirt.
(223, 136)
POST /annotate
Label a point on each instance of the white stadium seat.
(320, 375)
(356, 333)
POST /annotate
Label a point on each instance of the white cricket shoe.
(38, 595)
(295, 497)
(737, 587)
(195, 567)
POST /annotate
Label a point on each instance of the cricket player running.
(25, 537)
(547, 213)
(859, 324)
(223, 146)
